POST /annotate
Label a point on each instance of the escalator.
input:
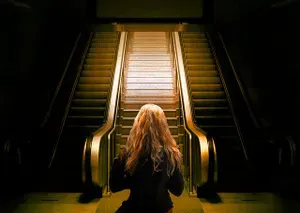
(213, 112)
(87, 112)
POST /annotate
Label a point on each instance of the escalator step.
(95, 73)
(210, 102)
(201, 67)
(89, 102)
(90, 95)
(92, 87)
(94, 80)
(205, 80)
(206, 87)
(209, 94)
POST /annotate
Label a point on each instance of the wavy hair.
(150, 135)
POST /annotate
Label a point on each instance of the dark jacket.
(148, 189)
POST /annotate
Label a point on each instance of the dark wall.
(150, 9)
(35, 45)
(262, 40)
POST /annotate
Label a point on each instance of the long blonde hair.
(150, 134)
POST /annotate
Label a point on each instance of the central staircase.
(148, 78)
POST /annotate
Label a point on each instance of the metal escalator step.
(89, 102)
(210, 102)
(102, 35)
(221, 120)
(206, 87)
(85, 120)
(194, 40)
(101, 55)
(201, 73)
(104, 40)
(205, 80)
(215, 130)
(195, 45)
(87, 111)
(209, 94)
(200, 61)
(199, 111)
(99, 61)
(199, 67)
(98, 67)
(103, 45)
(92, 87)
(102, 50)
(96, 73)
(151, 99)
(94, 80)
(198, 55)
(192, 35)
(90, 95)
(197, 50)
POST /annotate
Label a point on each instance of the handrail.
(253, 117)
(99, 135)
(60, 82)
(71, 97)
(200, 135)
(228, 97)
(111, 82)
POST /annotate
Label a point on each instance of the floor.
(225, 203)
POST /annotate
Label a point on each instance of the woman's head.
(150, 135)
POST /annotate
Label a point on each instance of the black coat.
(148, 189)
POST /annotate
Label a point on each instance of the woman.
(149, 165)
